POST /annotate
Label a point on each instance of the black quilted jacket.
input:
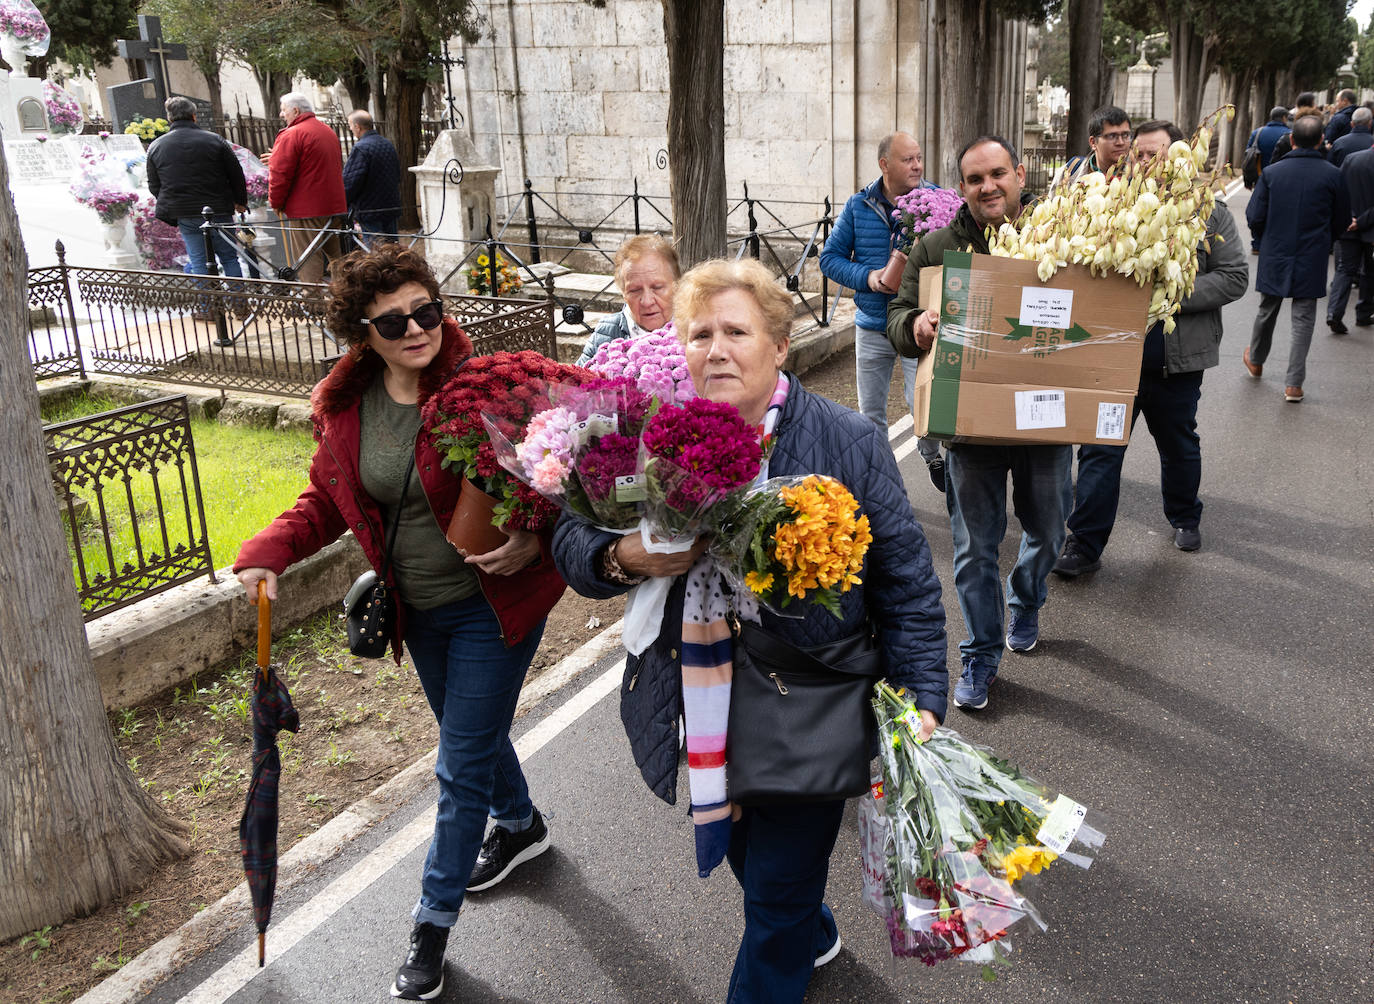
(900, 592)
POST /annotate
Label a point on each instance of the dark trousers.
(781, 856)
(1169, 405)
(1354, 267)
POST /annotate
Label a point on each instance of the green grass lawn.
(247, 477)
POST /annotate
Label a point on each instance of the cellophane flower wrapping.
(920, 211)
(22, 20)
(103, 183)
(582, 452)
(965, 825)
(160, 244)
(655, 362)
(794, 540)
(511, 388)
(696, 456)
(254, 174)
(64, 113)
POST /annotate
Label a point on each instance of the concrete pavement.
(1214, 706)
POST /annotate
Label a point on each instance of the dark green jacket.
(963, 234)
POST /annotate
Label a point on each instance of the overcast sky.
(1360, 12)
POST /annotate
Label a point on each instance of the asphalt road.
(1214, 706)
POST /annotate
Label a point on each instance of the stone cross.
(154, 52)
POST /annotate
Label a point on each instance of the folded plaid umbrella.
(272, 712)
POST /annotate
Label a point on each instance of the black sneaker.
(1187, 538)
(1336, 325)
(503, 850)
(1073, 562)
(936, 469)
(421, 976)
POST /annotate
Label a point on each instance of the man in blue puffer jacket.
(854, 255)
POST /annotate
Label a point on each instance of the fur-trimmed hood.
(345, 384)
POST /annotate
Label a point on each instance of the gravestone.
(22, 112)
(144, 98)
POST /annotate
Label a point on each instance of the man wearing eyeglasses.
(1109, 139)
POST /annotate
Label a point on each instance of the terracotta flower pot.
(470, 529)
(891, 275)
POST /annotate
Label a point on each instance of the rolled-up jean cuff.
(439, 918)
(517, 825)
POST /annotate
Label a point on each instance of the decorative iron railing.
(53, 346)
(130, 491)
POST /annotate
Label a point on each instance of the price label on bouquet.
(1061, 825)
(593, 426)
(630, 488)
(911, 720)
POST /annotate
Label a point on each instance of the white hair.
(297, 100)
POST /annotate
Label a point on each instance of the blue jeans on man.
(781, 856)
(472, 682)
(874, 358)
(1169, 404)
(1354, 266)
(977, 501)
(194, 239)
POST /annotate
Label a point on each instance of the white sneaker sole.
(830, 952)
(398, 992)
(1022, 651)
(528, 854)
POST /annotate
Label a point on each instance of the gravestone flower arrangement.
(254, 173)
(479, 276)
(159, 244)
(21, 21)
(510, 388)
(147, 129)
(103, 184)
(64, 114)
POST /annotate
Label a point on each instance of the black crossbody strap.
(857, 655)
(396, 522)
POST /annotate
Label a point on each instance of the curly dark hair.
(360, 277)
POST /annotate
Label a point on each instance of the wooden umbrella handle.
(264, 626)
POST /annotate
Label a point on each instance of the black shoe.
(503, 850)
(936, 469)
(421, 976)
(1336, 325)
(1363, 322)
(1187, 539)
(1073, 562)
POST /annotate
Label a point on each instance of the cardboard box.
(1018, 360)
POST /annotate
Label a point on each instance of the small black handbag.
(369, 605)
(801, 725)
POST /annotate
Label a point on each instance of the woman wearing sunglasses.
(472, 625)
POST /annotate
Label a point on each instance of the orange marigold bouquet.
(795, 539)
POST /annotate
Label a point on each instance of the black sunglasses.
(394, 326)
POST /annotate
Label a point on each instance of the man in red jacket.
(305, 185)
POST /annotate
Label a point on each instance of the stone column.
(457, 196)
(1140, 91)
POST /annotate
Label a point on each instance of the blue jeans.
(781, 856)
(977, 499)
(191, 236)
(1170, 408)
(1354, 267)
(472, 682)
(874, 358)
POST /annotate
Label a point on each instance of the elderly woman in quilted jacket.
(472, 625)
(735, 323)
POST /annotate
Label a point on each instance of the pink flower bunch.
(254, 173)
(610, 457)
(21, 19)
(103, 184)
(161, 245)
(699, 452)
(631, 404)
(63, 111)
(655, 362)
(546, 453)
(922, 210)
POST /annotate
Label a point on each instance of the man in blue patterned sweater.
(372, 179)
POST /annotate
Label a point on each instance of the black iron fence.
(53, 346)
(255, 133)
(130, 493)
(1042, 163)
(256, 335)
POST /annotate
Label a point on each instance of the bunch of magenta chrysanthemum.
(655, 362)
(959, 826)
(582, 453)
(795, 538)
(512, 387)
(922, 210)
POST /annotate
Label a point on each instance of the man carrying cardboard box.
(991, 180)
(1170, 385)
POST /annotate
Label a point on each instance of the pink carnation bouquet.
(655, 362)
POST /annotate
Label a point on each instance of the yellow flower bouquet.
(796, 539)
(479, 276)
(147, 129)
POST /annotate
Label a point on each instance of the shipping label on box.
(1018, 360)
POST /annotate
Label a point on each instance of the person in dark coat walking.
(372, 179)
(1341, 118)
(190, 168)
(1299, 208)
(1358, 138)
(1355, 248)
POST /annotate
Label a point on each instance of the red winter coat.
(305, 171)
(335, 500)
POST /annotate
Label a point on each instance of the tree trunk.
(1084, 19)
(359, 88)
(78, 830)
(216, 89)
(965, 41)
(1193, 63)
(695, 34)
(272, 84)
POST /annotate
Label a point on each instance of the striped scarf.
(707, 668)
